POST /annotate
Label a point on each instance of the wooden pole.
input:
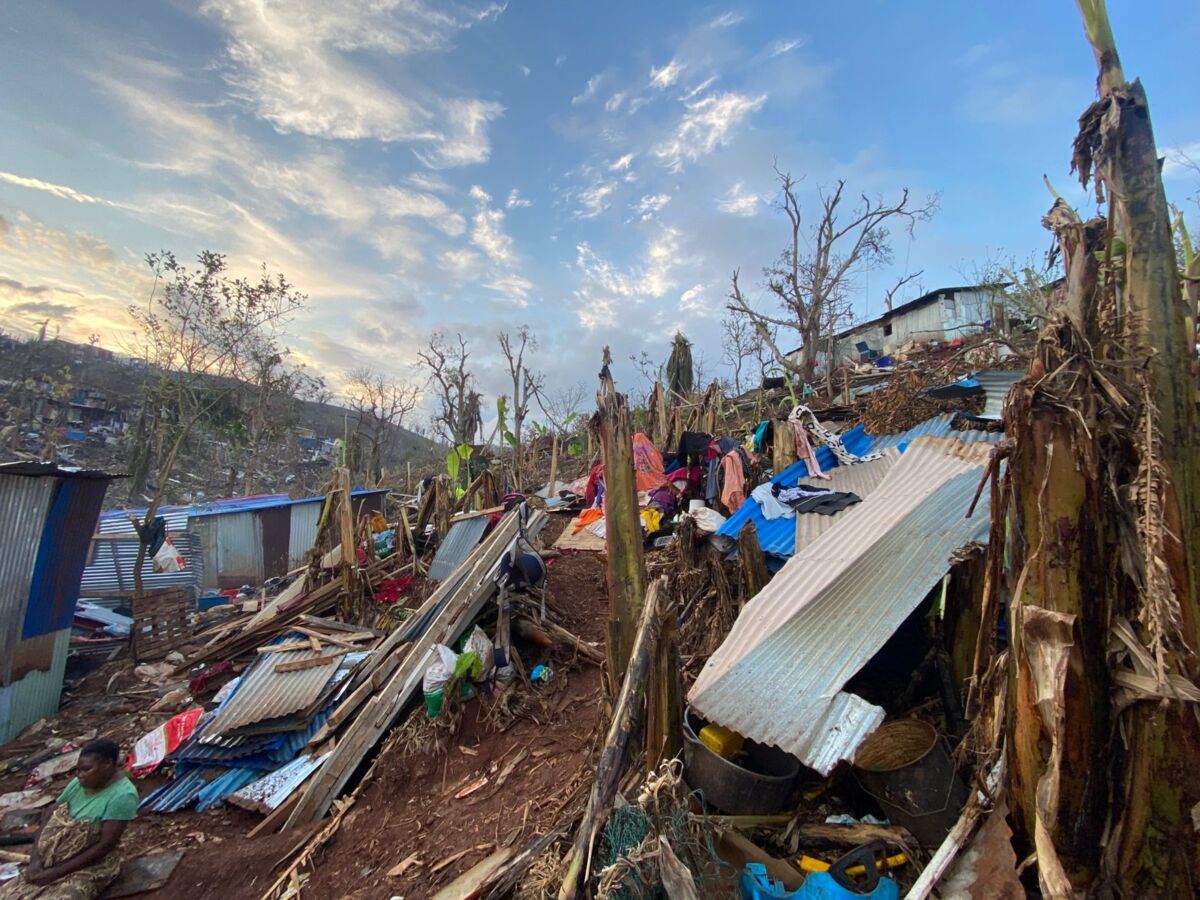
(754, 566)
(346, 531)
(664, 696)
(783, 445)
(614, 754)
(550, 492)
(623, 527)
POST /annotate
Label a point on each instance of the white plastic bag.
(482, 644)
(167, 559)
(707, 520)
(440, 671)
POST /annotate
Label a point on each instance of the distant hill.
(87, 400)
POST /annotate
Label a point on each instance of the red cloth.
(154, 746)
(391, 589)
(589, 493)
(647, 463)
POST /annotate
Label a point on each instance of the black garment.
(153, 535)
(693, 445)
(804, 499)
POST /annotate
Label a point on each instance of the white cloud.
(781, 46)
(427, 181)
(513, 287)
(489, 236)
(58, 190)
(613, 103)
(651, 204)
(560, 59)
(465, 141)
(1181, 161)
(399, 203)
(479, 194)
(699, 89)
(693, 302)
(707, 124)
(737, 202)
(622, 164)
(460, 262)
(589, 90)
(605, 289)
(667, 75)
(726, 20)
(596, 199)
(296, 65)
(526, 71)
(515, 200)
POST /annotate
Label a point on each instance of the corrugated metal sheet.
(117, 521)
(861, 479)
(461, 539)
(302, 532)
(24, 505)
(37, 694)
(264, 694)
(268, 792)
(836, 602)
(239, 547)
(113, 560)
(996, 384)
(778, 536)
(62, 554)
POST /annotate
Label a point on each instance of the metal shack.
(48, 514)
(227, 543)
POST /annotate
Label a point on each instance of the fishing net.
(628, 860)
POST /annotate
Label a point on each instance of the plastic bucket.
(905, 766)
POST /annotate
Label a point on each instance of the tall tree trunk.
(1103, 741)
(623, 531)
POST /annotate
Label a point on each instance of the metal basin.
(759, 784)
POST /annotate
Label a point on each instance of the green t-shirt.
(118, 801)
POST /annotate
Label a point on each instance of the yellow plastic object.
(809, 864)
(721, 741)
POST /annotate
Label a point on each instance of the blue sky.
(595, 171)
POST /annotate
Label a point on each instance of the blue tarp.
(777, 537)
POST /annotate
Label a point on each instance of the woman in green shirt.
(73, 854)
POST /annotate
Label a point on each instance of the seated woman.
(74, 854)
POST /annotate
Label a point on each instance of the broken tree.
(1103, 536)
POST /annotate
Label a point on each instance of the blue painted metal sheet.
(778, 536)
(24, 505)
(62, 555)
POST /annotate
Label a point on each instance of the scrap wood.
(563, 636)
(451, 860)
(471, 882)
(508, 769)
(301, 664)
(472, 787)
(287, 648)
(320, 622)
(347, 707)
(404, 865)
(448, 611)
(737, 850)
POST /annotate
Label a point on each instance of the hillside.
(82, 403)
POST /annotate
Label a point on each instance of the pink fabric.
(733, 494)
(647, 464)
(805, 451)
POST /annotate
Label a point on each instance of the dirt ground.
(410, 811)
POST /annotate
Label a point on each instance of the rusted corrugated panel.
(264, 693)
(835, 604)
(461, 539)
(24, 505)
(861, 479)
(37, 694)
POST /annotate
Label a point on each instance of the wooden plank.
(472, 584)
(301, 664)
(475, 514)
(286, 648)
